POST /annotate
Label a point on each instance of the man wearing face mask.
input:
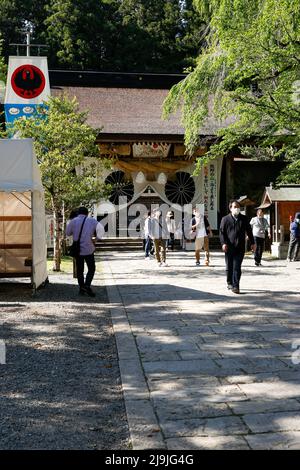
(233, 230)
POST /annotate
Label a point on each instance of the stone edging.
(145, 432)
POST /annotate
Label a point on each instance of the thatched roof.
(282, 193)
(130, 111)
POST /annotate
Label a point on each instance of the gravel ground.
(60, 387)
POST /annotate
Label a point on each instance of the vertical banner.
(27, 87)
(210, 191)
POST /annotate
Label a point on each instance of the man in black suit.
(233, 230)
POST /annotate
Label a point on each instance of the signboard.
(150, 149)
(27, 87)
(210, 191)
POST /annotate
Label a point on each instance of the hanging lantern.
(162, 179)
(140, 177)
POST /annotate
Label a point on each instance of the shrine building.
(150, 164)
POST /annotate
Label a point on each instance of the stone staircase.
(136, 244)
(120, 244)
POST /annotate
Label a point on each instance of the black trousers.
(234, 259)
(90, 262)
(293, 247)
(260, 244)
(171, 241)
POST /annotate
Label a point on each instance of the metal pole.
(28, 44)
(276, 221)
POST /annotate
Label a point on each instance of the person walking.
(259, 226)
(201, 230)
(148, 239)
(170, 221)
(233, 230)
(294, 238)
(159, 235)
(85, 228)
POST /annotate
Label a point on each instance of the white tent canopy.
(23, 249)
(18, 166)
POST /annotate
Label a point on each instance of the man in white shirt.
(148, 240)
(201, 227)
(90, 227)
(259, 227)
(159, 235)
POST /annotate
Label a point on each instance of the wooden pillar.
(276, 222)
(229, 178)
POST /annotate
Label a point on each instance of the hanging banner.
(27, 87)
(211, 181)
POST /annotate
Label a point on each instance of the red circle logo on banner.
(28, 81)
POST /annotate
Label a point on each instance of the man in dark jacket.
(233, 230)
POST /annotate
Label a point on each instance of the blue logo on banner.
(15, 111)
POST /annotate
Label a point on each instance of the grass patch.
(66, 266)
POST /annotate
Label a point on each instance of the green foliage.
(112, 35)
(17, 14)
(248, 72)
(3, 68)
(66, 152)
(62, 143)
(160, 35)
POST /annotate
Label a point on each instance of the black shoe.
(81, 291)
(235, 290)
(89, 292)
(197, 263)
(257, 264)
(229, 286)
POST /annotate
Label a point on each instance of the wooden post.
(229, 178)
(276, 222)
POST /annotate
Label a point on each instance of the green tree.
(111, 35)
(82, 33)
(66, 151)
(160, 35)
(249, 70)
(3, 68)
(15, 15)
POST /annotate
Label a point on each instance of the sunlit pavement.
(202, 367)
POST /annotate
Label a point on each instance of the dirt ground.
(60, 387)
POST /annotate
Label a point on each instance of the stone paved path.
(201, 367)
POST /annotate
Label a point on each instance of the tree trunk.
(57, 238)
(63, 232)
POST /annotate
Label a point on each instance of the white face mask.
(235, 211)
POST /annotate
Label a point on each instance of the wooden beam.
(15, 246)
(180, 151)
(151, 167)
(15, 218)
(112, 149)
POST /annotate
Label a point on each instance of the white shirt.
(147, 227)
(170, 225)
(259, 226)
(200, 226)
